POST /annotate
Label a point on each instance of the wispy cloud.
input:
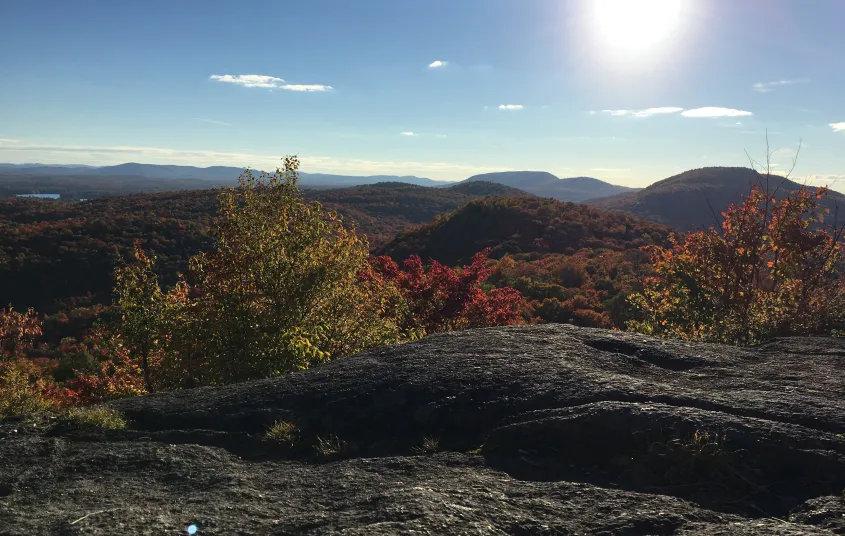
(708, 111)
(438, 64)
(834, 182)
(648, 112)
(268, 82)
(715, 111)
(407, 133)
(248, 80)
(838, 127)
(766, 87)
(511, 107)
(306, 87)
(6, 140)
(214, 122)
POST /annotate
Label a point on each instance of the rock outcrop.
(538, 430)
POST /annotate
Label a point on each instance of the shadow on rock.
(734, 464)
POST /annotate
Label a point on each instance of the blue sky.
(574, 87)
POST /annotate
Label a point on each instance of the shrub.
(17, 332)
(26, 388)
(773, 270)
(441, 298)
(95, 417)
(285, 288)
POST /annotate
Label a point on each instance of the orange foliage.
(773, 270)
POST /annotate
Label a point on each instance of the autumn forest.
(122, 295)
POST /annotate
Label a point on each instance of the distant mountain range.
(682, 201)
(534, 182)
(543, 184)
(214, 174)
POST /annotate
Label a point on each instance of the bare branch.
(718, 224)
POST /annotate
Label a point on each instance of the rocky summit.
(528, 430)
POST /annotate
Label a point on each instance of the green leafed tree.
(287, 286)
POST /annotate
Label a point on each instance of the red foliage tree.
(441, 298)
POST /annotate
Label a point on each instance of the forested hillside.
(572, 262)
(54, 251)
(523, 225)
(696, 198)
(382, 210)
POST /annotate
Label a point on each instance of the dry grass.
(430, 445)
(331, 447)
(101, 417)
(282, 433)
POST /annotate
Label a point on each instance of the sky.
(627, 91)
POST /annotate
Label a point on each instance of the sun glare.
(636, 26)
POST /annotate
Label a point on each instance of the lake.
(41, 196)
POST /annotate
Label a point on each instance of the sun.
(636, 26)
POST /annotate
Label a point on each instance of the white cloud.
(766, 87)
(715, 111)
(648, 112)
(709, 111)
(438, 64)
(6, 140)
(838, 127)
(834, 182)
(269, 82)
(511, 107)
(249, 80)
(658, 111)
(407, 134)
(306, 87)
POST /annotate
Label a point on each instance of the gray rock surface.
(541, 430)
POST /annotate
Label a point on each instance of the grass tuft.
(430, 445)
(331, 447)
(101, 417)
(282, 433)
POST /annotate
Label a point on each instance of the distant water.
(41, 196)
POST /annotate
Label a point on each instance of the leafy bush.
(17, 332)
(441, 298)
(773, 270)
(284, 289)
(26, 388)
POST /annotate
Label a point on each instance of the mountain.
(681, 201)
(384, 209)
(154, 171)
(575, 189)
(216, 174)
(74, 167)
(322, 180)
(521, 225)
